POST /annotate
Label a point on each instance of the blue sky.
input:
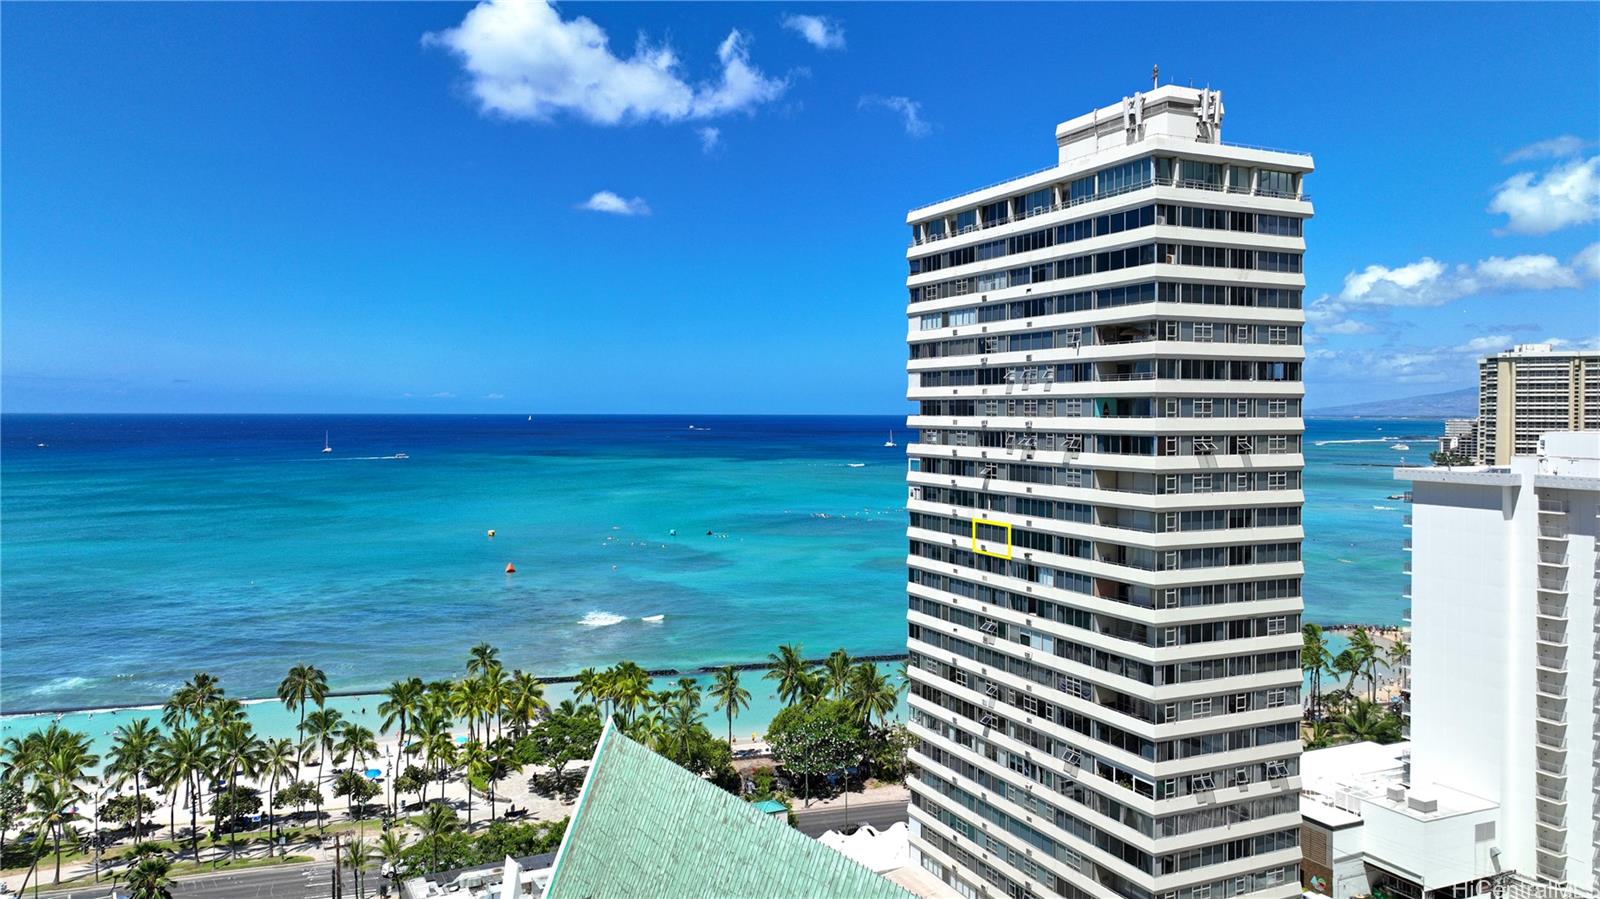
(699, 208)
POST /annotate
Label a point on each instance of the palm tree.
(199, 694)
(356, 743)
(133, 752)
(629, 689)
(1367, 655)
(836, 672)
(493, 687)
(524, 702)
(401, 704)
(187, 759)
(437, 822)
(474, 758)
(438, 746)
(870, 693)
(1368, 722)
(1347, 663)
(681, 723)
(730, 696)
(278, 760)
(148, 879)
(1398, 655)
(1314, 660)
(303, 684)
(53, 808)
(356, 856)
(324, 727)
(1319, 735)
(237, 752)
(789, 670)
(389, 851)
(587, 686)
(481, 658)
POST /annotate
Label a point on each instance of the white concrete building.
(1504, 668)
(1105, 515)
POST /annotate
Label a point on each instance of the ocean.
(138, 550)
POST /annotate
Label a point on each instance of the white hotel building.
(1498, 782)
(1105, 497)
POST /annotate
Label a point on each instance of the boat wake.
(601, 619)
(1362, 440)
(654, 619)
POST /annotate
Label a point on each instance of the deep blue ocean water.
(139, 549)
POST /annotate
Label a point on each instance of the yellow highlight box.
(984, 552)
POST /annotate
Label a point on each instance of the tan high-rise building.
(1533, 389)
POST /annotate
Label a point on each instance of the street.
(879, 813)
(308, 881)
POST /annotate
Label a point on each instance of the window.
(1200, 708)
(1278, 334)
(959, 677)
(1202, 408)
(1276, 625)
(1277, 699)
(1202, 483)
(1170, 712)
(1277, 408)
(1201, 782)
(1277, 480)
(1202, 332)
(1030, 704)
(1278, 443)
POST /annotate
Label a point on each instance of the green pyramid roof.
(645, 827)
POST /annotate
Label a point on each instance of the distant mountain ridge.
(1461, 403)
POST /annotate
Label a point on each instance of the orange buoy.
(491, 533)
(510, 568)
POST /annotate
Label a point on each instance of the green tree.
(570, 733)
(437, 823)
(148, 879)
(870, 693)
(279, 761)
(237, 751)
(788, 669)
(133, 753)
(187, 757)
(402, 703)
(129, 810)
(815, 739)
(730, 697)
(357, 855)
(836, 673)
(1315, 658)
(355, 788)
(525, 702)
(1366, 653)
(53, 811)
(1367, 721)
(304, 684)
(389, 852)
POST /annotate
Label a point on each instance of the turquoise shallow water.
(139, 549)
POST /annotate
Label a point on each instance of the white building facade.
(1105, 496)
(1503, 649)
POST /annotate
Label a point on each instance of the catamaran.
(326, 446)
(890, 441)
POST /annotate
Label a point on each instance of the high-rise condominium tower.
(1104, 568)
(1530, 390)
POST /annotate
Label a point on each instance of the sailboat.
(326, 446)
(890, 441)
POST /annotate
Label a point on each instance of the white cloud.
(1493, 343)
(1565, 195)
(909, 110)
(494, 396)
(1427, 282)
(1587, 262)
(709, 137)
(820, 32)
(525, 62)
(1554, 148)
(606, 201)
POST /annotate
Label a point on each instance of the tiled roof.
(645, 827)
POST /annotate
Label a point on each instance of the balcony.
(1070, 203)
(1549, 792)
(1552, 506)
(1553, 638)
(1551, 766)
(1406, 544)
(1552, 583)
(1552, 559)
(1552, 608)
(1549, 685)
(1553, 822)
(1552, 742)
(1550, 712)
(1406, 519)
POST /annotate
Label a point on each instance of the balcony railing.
(1549, 608)
(1552, 532)
(1550, 714)
(1552, 506)
(1552, 638)
(1558, 560)
(1554, 767)
(1552, 793)
(1553, 584)
(1070, 203)
(1544, 686)
(1406, 519)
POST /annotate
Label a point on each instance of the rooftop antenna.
(1155, 77)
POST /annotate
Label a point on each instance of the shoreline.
(878, 658)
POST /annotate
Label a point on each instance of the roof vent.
(1396, 793)
(1425, 806)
